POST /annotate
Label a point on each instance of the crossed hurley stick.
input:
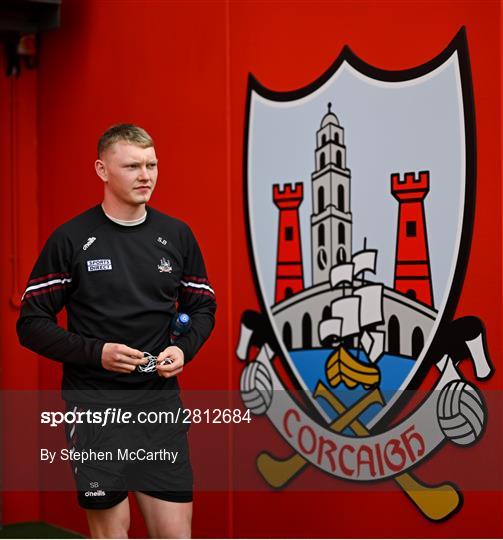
(462, 338)
(436, 502)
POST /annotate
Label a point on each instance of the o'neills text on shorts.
(119, 454)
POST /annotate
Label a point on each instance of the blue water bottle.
(180, 324)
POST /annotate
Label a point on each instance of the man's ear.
(101, 170)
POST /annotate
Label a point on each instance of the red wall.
(180, 69)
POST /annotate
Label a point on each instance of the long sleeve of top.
(45, 296)
(118, 285)
(197, 298)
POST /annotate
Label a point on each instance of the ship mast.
(358, 347)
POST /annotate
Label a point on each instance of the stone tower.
(331, 220)
(289, 270)
(412, 262)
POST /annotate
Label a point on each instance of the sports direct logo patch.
(98, 265)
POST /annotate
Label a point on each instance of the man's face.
(129, 172)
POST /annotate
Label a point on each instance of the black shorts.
(111, 460)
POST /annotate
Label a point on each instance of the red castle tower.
(412, 265)
(289, 271)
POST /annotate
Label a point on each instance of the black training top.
(119, 284)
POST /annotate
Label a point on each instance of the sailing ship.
(353, 318)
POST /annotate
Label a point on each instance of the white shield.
(359, 192)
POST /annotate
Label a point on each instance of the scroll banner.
(368, 458)
(376, 457)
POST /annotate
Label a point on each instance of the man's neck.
(123, 212)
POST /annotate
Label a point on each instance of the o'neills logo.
(98, 493)
(358, 269)
(89, 243)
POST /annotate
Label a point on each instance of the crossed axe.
(436, 502)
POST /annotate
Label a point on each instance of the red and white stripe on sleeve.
(46, 284)
(197, 285)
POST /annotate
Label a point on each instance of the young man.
(119, 269)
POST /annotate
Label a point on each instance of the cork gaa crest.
(359, 191)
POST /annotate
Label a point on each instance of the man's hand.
(176, 356)
(121, 358)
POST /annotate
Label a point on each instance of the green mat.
(35, 530)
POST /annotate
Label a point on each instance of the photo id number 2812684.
(216, 416)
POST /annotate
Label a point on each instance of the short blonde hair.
(124, 132)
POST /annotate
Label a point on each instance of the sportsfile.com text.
(113, 415)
